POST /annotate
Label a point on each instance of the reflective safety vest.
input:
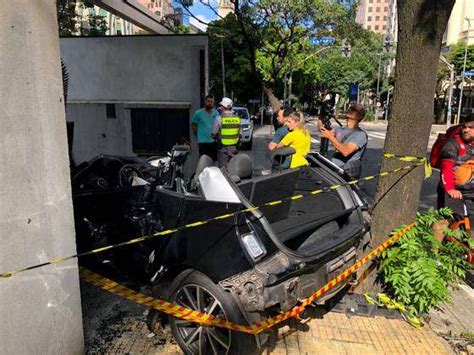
(230, 130)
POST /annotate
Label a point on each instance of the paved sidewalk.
(334, 333)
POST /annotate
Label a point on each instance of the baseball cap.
(226, 102)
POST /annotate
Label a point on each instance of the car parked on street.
(246, 127)
(244, 268)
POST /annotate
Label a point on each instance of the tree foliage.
(265, 41)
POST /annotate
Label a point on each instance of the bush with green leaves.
(418, 270)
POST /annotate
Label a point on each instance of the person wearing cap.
(227, 133)
(349, 142)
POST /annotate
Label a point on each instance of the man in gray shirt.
(349, 142)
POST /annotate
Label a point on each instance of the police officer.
(227, 132)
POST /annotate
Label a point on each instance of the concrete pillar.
(40, 310)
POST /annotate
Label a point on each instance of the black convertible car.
(243, 268)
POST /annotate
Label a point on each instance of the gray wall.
(40, 310)
(138, 71)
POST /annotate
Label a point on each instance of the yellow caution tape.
(408, 158)
(208, 319)
(384, 300)
(200, 223)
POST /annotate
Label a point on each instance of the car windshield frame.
(242, 112)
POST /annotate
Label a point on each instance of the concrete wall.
(139, 71)
(40, 309)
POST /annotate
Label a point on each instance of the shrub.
(418, 270)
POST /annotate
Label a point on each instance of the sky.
(201, 11)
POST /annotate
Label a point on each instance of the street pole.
(377, 98)
(464, 69)
(388, 103)
(290, 87)
(450, 94)
(223, 67)
(450, 98)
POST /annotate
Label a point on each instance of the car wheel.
(198, 292)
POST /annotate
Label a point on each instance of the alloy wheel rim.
(197, 338)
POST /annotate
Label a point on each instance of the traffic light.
(346, 48)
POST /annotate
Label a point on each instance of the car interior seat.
(240, 167)
(204, 161)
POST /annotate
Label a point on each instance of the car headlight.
(253, 245)
(246, 127)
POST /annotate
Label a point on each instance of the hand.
(326, 133)
(455, 194)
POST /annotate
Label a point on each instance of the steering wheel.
(126, 175)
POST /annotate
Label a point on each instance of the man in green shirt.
(202, 124)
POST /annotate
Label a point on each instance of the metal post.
(223, 67)
(377, 98)
(388, 104)
(290, 84)
(464, 70)
(450, 98)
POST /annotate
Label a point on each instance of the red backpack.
(452, 132)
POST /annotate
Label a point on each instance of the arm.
(447, 171)
(345, 149)
(447, 179)
(194, 122)
(272, 146)
(216, 128)
(279, 135)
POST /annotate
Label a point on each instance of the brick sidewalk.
(334, 333)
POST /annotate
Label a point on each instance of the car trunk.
(309, 223)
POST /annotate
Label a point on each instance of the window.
(370, 9)
(377, 18)
(376, 27)
(384, 27)
(369, 18)
(110, 110)
(378, 1)
(385, 9)
(385, 18)
(369, 27)
(377, 9)
(371, 1)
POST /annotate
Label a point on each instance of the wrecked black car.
(252, 265)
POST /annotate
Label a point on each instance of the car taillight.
(253, 245)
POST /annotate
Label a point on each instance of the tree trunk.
(272, 99)
(421, 27)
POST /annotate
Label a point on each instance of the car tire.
(196, 339)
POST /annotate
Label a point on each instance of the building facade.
(458, 28)
(225, 7)
(373, 15)
(133, 95)
(162, 8)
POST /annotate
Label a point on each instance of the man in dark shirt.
(457, 180)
